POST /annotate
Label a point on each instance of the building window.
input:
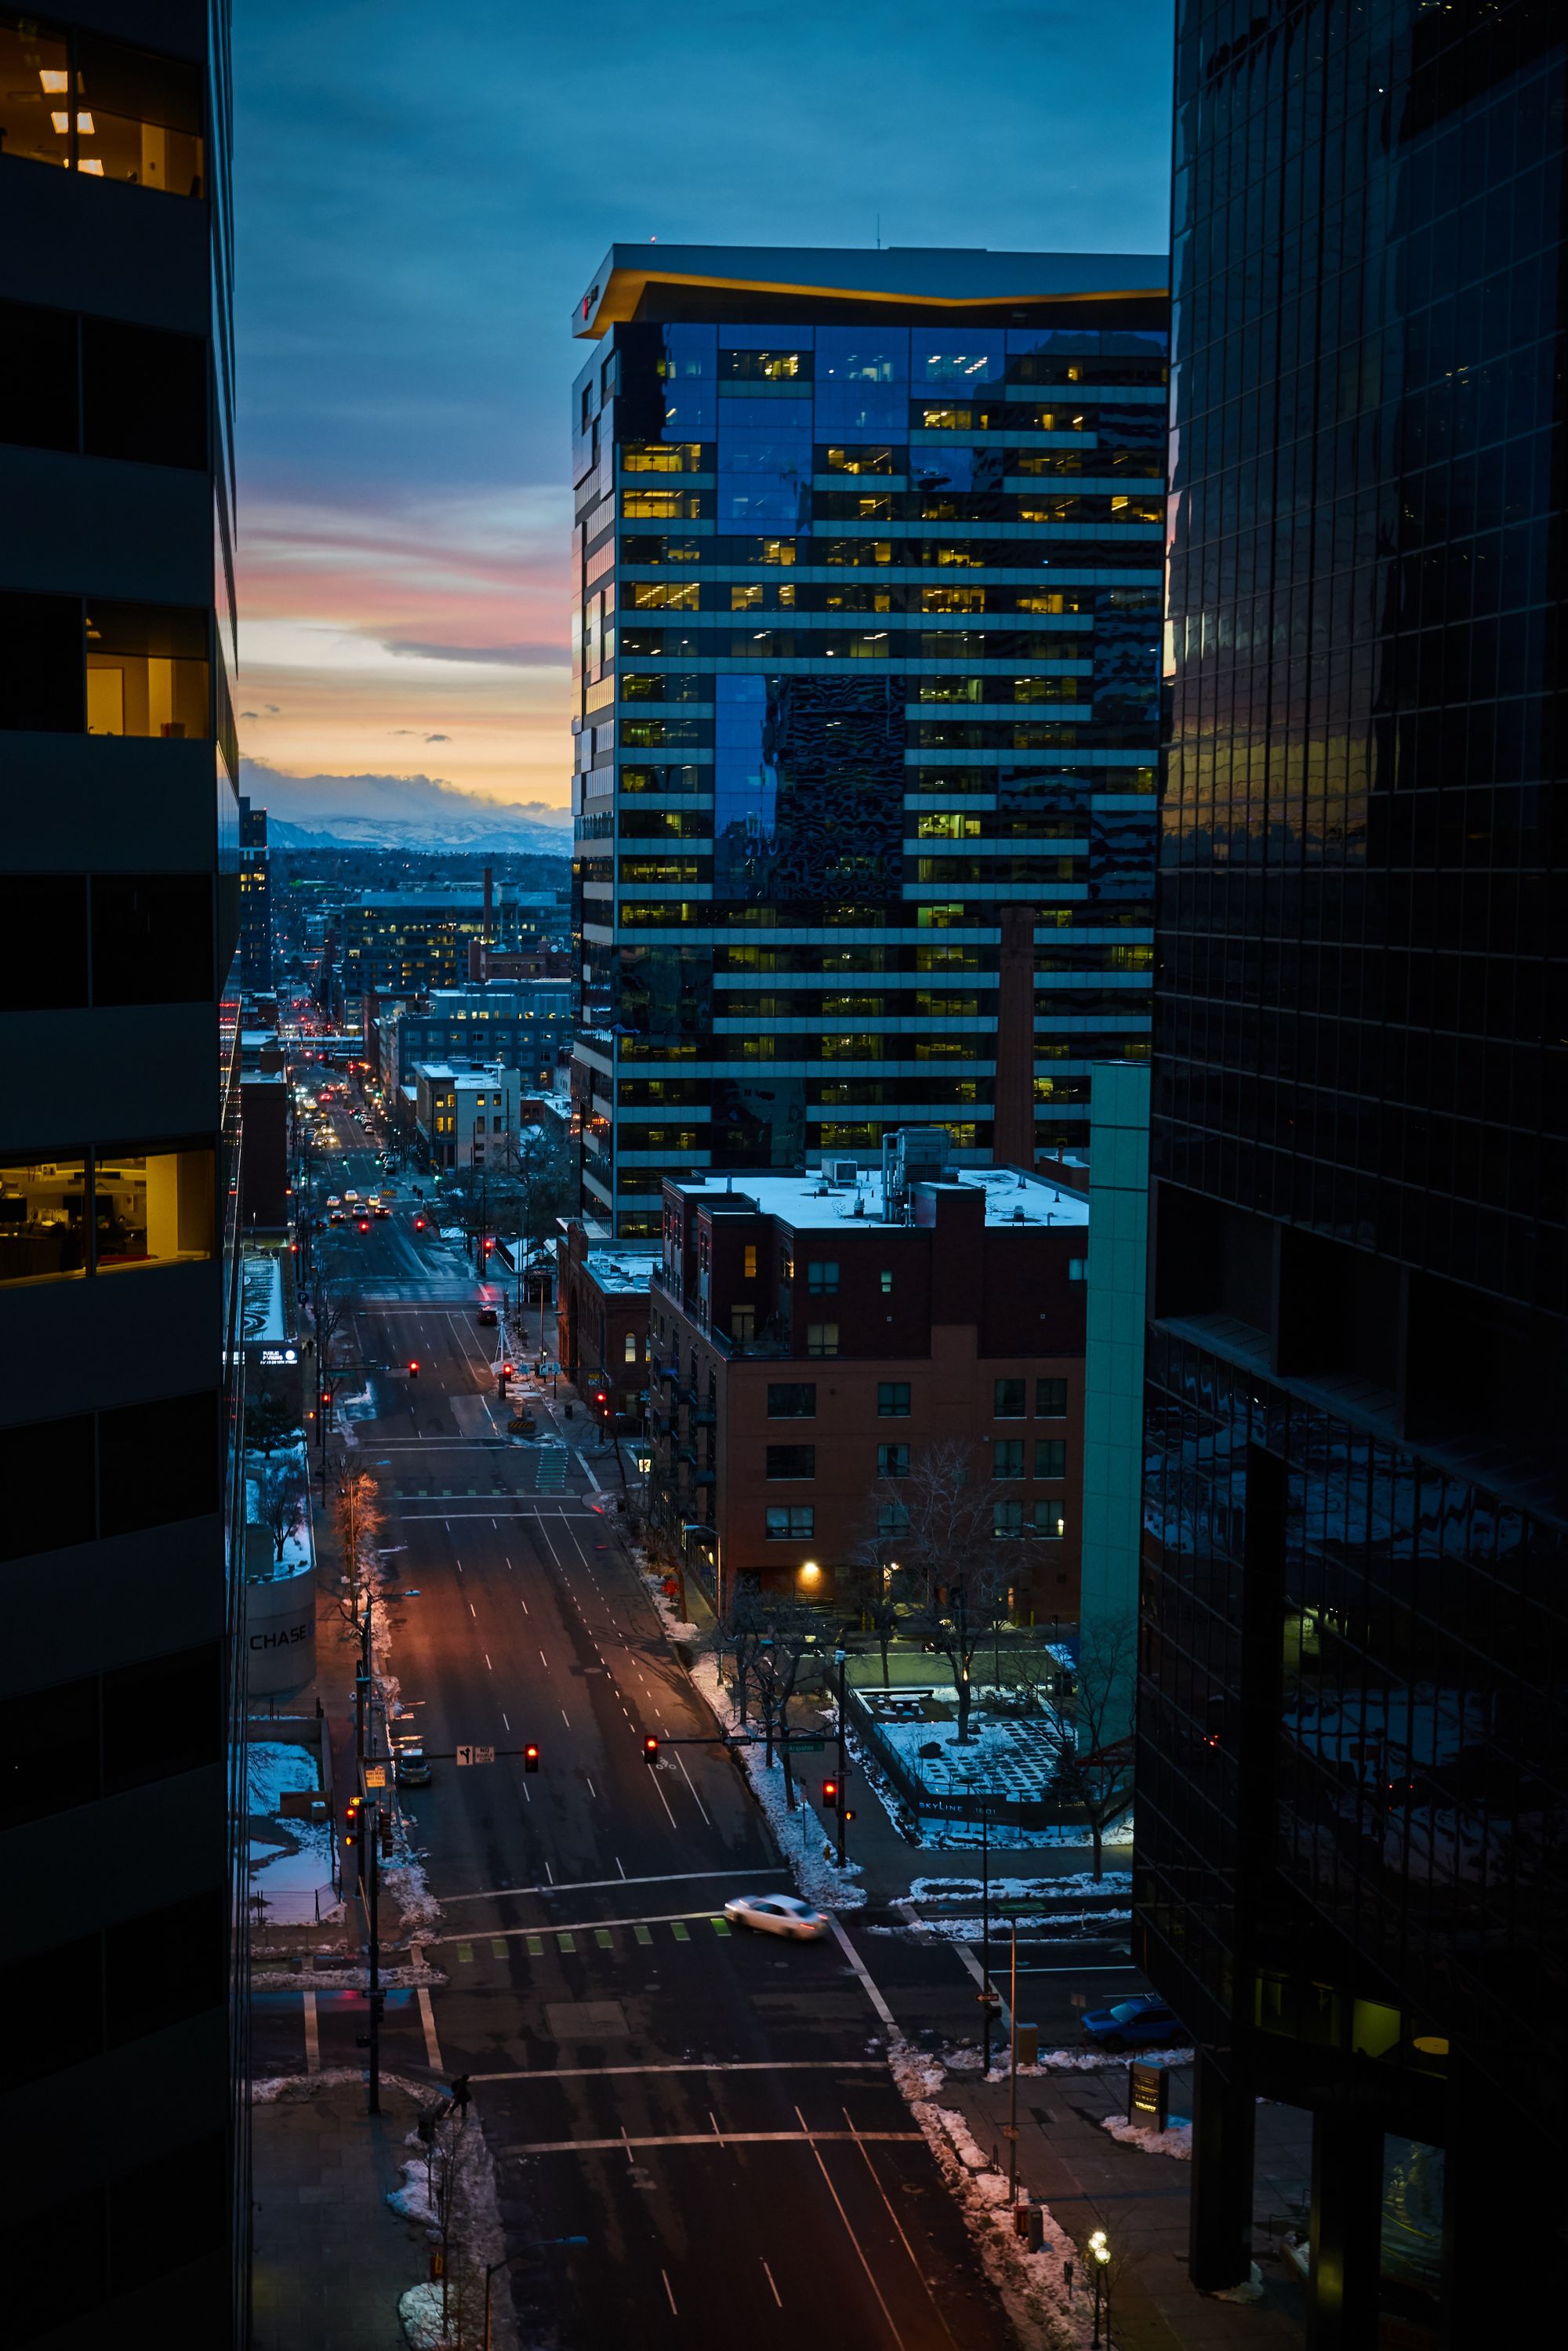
(61, 1219)
(1006, 1518)
(791, 1399)
(1050, 1399)
(892, 1400)
(1050, 1456)
(821, 1338)
(892, 1460)
(822, 1278)
(750, 1261)
(1076, 1269)
(1050, 1521)
(1009, 1402)
(137, 116)
(892, 1518)
(791, 1522)
(1006, 1458)
(629, 1348)
(886, 1283)
(791, 1461)
(146, 671)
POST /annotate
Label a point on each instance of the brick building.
(810, 1337)
(602, 1309)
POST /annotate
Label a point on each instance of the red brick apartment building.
(602, 1314)
(809, 1338)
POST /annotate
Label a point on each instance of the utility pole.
(372, 1909)
(986, 1994)
(1013, 2070)
(841, 1659)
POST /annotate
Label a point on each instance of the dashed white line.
(566, 1718)
(486, 1654)
(776, 2295)
(669, 2289)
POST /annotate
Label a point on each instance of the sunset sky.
(421, 195)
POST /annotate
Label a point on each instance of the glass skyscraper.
(1352, 1821)
(867, 564)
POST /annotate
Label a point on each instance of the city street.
(711, 2111)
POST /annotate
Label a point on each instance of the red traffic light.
(530, 1758)
(326, 1395)
(506, 1371)
(364, 1224)
(649, 1749)
(413, 1369)
(830, 1793)
(418, 1224)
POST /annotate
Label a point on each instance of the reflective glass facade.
(1351, 1727)
(867, 654)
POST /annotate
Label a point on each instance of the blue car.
(1133, 2023)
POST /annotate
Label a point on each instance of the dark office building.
(1352, 1822)
(122, 2101)
(867, 565)
(254, 901)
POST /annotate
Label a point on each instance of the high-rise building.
(124, 1912)
(254, 901)
(867, 571)
(1351, 1722)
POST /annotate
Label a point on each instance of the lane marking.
(486, 1655)
(692, 2065)
(858, 1964)
(860, 2250)
(670, 2290)
(692, 1785)
(672, 1918)
(312, 2036)
(859, 2137)
(803, 2138)
(426, 2015)
(769, 2275)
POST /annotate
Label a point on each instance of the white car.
(778, 1914)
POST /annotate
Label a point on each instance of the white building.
(468, 1118)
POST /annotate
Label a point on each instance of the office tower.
(254, 901)
(867, 568)
(124, 1929)
(1351, 1812)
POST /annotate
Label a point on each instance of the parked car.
(778, 1914)
(487, 1317)
(1134, 2023)
(411, 1768)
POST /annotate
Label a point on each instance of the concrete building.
(467, 1117)
(812, 1336)
(254, 901)
(868, 575)
(121, 1563)
(526, 1023)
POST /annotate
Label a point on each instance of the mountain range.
(418, 812)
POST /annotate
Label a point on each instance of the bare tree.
(358, 1518)
(873, 1586)
(959, 1554)
(738, 1635)
(280, 1504)
(1095, 1746)
(269, 1420)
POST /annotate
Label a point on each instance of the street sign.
(375, 1775)
(475, 1755)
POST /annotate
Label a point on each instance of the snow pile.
(405, 1880)
(411, 2201)
(1177, 2139)
(1045, 2315)
(799, 1833)
(962, 1889)
(1060, 1925)
(965, 1836)
(675, 1628)
(420, 2311)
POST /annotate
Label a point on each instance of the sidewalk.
(1091, 2181)
(332, 2257)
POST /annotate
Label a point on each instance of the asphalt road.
(712, 2111)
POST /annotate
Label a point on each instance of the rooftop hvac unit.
(914, 1155)
(844, 1171)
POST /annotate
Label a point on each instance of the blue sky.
(421, 196)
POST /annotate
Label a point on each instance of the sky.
(422, 193)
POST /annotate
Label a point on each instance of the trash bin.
(1027, 2044)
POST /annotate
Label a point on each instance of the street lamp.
(1100, 2252)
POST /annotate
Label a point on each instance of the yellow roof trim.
(626, 287)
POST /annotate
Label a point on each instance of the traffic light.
(418, 1224)
(832, 1796)
(351, 1816)
(530, 1758)
(413, 1369)
(649, 1749)
(602, 1403)
(503, 1375)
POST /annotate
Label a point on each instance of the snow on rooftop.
(1012, 1196)
(614, 1269)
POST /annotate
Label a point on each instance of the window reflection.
(43, 1220)
(146, 671)
(152, 1211)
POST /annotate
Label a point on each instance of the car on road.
(337, 1218)
(333, 1201)
(1133, 2023)
(411, 1768)
(487, 1318)
(351, 1196)
(778, 1914)
(382, 1210)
